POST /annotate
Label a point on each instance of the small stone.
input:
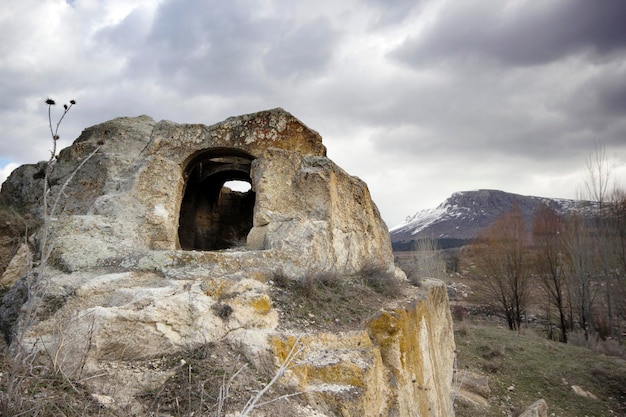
(105, 400)
(583, 393)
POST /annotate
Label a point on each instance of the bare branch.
(295, 351)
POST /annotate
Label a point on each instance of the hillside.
(517, 370)
(464, 214)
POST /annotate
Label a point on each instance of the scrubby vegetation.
(325, 301)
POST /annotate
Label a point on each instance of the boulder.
(160, 186)
(395, 366)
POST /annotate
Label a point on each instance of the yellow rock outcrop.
(401, 364)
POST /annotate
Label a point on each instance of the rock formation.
(152, 254)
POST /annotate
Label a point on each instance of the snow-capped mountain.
(464, 214)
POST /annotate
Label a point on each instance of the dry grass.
(212, 380)
(381, 280)
(320, 301)
(31, 389)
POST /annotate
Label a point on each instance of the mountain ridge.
(463, 215)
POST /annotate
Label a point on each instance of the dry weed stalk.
(456, 384)
(288, 363)
(21, 367)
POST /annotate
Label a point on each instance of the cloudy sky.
(420, 98)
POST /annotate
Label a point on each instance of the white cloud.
(6, 170)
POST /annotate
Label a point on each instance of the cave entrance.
(218, 202)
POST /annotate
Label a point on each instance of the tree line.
(573, 266)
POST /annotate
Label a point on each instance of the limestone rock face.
(308, 213)
(401, 364)
(159, 186)
(152, 253)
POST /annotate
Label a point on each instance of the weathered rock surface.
(17, 267)
(538, 409)
(129, 198)
(151, 255)
(394, 367)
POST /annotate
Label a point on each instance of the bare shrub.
(464, 329)
(493, 365)
(281, 280)
(213, 381)
(381, 280)
(313, 284)
(610, 347)
(579, 338)
(493, 358)
(194, 388)
(28, 385)
(458, 312)
(29, 389)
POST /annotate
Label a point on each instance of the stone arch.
(212, 216)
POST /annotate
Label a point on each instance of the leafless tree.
(501, 257)
(601, 189)
(578, 251)
(549, 262)
(429, 259)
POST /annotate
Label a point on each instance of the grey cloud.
(302, 51)
(224, 48)
(594, 108)
(489, 116)
(392, 12)
(528, 34)
(127, 35)
(612, 93)
(202, 47)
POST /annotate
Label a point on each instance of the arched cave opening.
(218, 202)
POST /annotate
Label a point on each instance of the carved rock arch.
(212, 216)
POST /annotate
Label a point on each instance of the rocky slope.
(464, 214)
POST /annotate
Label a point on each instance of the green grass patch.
(539, 368)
